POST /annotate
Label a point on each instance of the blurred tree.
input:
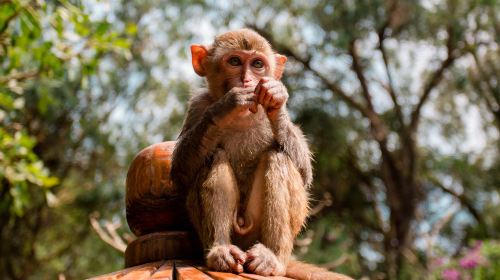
(52, 120)
(85, 85)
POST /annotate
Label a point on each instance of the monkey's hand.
(234, 104)
(262, 261)
(226, 258)
(272, 95)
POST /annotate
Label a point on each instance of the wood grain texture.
(179, 270)
(186, 272)
(223, 275)
(152, 202)
(141, 272)
(259, 277)
(165, 272)
(162, 246)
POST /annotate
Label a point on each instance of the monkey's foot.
(262, 261)
(226, 258)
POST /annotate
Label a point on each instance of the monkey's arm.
(196, 142)
(293, 142)
(202, 131)
(273, 95)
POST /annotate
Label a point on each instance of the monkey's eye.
(258, 63)
(234, 61)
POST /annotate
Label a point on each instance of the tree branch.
(325, 202)
(436, 229)
(484, 77)
(480, 90)
(461, 198)
(358, 69)
(335, 263)
(19, 76)
(108, 235)
(433, 81)
(370, 188)
(390, 88)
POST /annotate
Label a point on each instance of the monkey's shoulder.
(200, 100)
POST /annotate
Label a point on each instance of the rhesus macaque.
(244, 166)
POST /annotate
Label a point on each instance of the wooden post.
(156, 213)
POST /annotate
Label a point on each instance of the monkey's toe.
(238, 254)
(226, 258)
(262, 261)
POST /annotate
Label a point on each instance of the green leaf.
(49, 182)
(131, 29)
(102, 28)
(6, 101)
(121, 43)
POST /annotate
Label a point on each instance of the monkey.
(242, 165)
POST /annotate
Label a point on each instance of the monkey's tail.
(303, 271)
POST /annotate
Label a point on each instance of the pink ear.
(199, 54)
(280, 65)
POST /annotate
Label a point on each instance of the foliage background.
(400, 101)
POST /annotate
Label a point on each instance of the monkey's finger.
(262, 95)
(254, 108)
(264, 80)
(271, 84)
(230, 261)
(262, 269)
(253, 264)
(235, 266)
(273, 87)
(274, 103)
(238, 255)
(268, 78)
(239, 268)
(257, 88)
(250, 257)
(267, 100)
(262, 89)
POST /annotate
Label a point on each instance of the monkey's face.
(242, 68)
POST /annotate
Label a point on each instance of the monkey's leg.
(284, 210)
(211, 205)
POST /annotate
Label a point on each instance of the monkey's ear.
(199, 54)
(280, 65)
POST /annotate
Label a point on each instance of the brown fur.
(304, 271)
(243, 39)
(245, 175)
